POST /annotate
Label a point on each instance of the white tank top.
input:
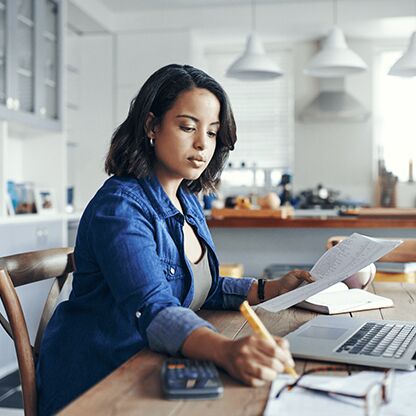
(202, 281)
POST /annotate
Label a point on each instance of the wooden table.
(135, 388)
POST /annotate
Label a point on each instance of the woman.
(144, 255)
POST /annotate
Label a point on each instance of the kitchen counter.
(258, 242)
(314, 222)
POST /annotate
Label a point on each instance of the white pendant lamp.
(406, 65)
(254, 64)
(335, 59)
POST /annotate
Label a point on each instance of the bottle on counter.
(285, 190)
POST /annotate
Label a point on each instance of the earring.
(152, 142)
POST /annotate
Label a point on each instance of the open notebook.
(339, 299)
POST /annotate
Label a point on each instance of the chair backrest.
(18, 270)
(405, 252)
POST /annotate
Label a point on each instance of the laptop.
(375, 343)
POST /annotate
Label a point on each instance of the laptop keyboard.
(380, 340)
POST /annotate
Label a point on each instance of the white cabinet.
(39, 235)
(32, 142)
(31, 62)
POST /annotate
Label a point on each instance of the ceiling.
(276, 19)
(135, 5)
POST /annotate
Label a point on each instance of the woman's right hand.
(254, 360)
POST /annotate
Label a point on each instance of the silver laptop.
(375, 343)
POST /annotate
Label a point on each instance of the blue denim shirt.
(132, 288)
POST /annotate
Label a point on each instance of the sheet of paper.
(346, 258)
(302, 402)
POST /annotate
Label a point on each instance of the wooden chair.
(18, 270)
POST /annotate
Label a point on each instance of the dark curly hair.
(130, 152)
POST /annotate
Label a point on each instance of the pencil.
(258, 327)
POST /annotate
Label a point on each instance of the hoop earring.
(152, 142)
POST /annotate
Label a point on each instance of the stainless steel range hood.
(334, 104)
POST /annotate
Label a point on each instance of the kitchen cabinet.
(30, 236)
(31, 35)
(33, 148)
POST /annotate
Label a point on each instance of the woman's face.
(186, 138)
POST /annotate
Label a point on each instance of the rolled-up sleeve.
(229, 293)
(171, 326)
(235, 291)
(121, 237)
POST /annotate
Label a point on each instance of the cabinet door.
(50, 37)
(25, 72)
(3, 49)
(19, 238)
(31, 62)
(7, 57)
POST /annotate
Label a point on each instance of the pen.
(258, 327)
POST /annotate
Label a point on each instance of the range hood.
(334, 104)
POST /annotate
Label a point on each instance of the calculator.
(190, 379)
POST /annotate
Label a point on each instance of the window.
(264, 115)
(395, 116)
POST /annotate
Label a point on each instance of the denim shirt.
(132, 287)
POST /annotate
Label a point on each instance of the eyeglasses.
(377, 393)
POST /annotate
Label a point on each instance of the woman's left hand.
(292, 280)
(286, 283)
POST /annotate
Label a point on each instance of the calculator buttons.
(190, 383)
(190, 379)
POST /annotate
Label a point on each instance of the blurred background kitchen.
(326, 130)
(322, 125)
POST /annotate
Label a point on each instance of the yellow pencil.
(259, 328)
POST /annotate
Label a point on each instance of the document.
(341, 261)
(303, 402)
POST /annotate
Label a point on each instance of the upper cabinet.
(2, 53)
(31, 62)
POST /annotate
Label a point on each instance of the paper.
(341, 261)
(302, 402)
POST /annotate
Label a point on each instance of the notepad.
(339, 299)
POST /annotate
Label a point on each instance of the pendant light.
(254, 64)
(406, 65)
(335, 59)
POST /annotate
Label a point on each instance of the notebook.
(370, 342)
(339, 299)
